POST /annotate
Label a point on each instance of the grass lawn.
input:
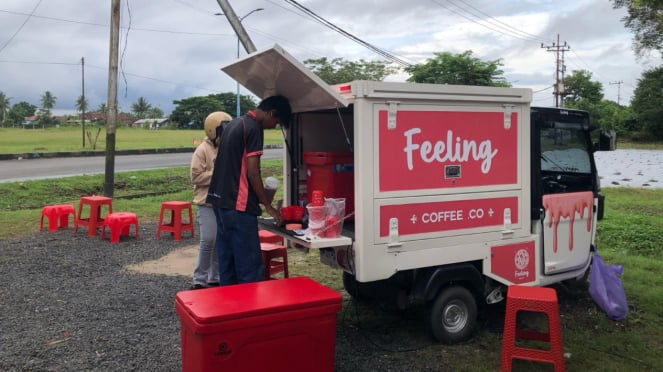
(21, 141)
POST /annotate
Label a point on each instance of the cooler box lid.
(227, 303)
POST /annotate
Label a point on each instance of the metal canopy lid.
(274, 71)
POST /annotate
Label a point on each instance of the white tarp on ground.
(634, 168)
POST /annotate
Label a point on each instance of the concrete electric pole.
(83, 98)
(619, 88)
(111, 118)
(559, 83)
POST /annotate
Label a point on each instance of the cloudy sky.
(174, 49)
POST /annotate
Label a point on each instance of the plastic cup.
(271, 185)
(297, 213)
(316, 214)
(317, 198)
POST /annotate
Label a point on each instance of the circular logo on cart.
(521, 259)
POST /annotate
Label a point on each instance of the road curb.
(73, 154)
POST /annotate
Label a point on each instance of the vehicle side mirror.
(607, 141)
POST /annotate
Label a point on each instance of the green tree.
(339, 70)
(20, 111)
(155, 112)
(81, 104)
(582, 93)
(47, 103)
(645, 20)
(190, 113)
(607, 114)
(647, 103)
(4, 107)
(102, 108)
(579, 85)
(141, 107)
(458, 69)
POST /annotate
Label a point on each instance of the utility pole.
(236, 24)
(83, 98)
(111, 119)
(242, 35)
(559, 84)
(619, 88)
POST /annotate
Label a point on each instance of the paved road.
(33, 169)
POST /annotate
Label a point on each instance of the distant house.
(154, 123)
(100, 117)
(30, 121)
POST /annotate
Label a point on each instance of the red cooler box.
(333, 174)
(275, 325)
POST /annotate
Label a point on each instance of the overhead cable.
(366, 44)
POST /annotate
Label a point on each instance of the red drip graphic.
(567, 205)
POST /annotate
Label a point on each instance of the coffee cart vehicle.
(456, 191)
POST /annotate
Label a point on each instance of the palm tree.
(140, 107)
(81, 104)
(102, 108)
(4, 107)
(47, 103)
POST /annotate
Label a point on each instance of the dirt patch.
(180, 261)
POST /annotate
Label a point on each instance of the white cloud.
(186, 60)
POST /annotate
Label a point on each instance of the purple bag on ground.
(606, 288)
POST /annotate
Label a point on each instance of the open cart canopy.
(274, 71)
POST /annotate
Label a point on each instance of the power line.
(39, 63)
(493, 28)
(332, 26)
(507, 26)
(107, 26)
(21, 27)
(106, 68)
(501, 27)
(541, 90)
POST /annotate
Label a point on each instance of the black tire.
(452, 316)
(351, 285)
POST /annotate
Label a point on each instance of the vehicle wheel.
(452, 316)
(579, 285)
(351, 285)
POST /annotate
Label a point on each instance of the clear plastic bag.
(605, 287)
(335, 208)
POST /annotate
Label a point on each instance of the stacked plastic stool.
(94, 220)
(119, 224)
(57, 213)
(538, 300)
(274, 260)
(266, 236)
(176, 225)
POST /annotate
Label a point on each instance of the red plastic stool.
(94, 219)
(55, 213)
(269, 237)
(274, 259)
(533, 299)
(119, 223)
(175, 226)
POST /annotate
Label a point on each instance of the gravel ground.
(69, 304)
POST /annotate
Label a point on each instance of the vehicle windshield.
(564, 150)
